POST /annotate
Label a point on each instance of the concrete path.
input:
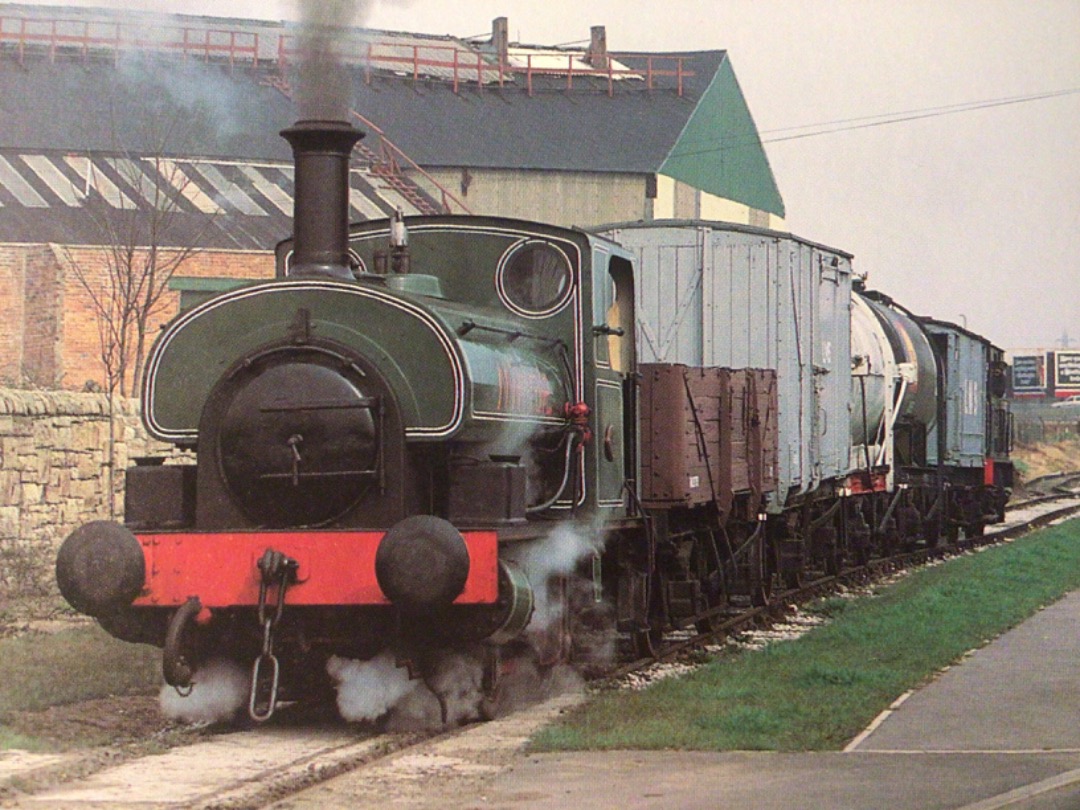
(226, 771)
(1000, 729)
(1020, 693)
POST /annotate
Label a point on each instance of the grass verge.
(42, 670)
(818, 692)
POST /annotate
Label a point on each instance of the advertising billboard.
(1029, 373)
(1067, 370)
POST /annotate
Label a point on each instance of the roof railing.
(459, 65)
(474, 66)
(84, 38)
(611, 73)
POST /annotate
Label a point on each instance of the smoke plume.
(324, 90)
(219, 690)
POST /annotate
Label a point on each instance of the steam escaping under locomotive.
(389, 433)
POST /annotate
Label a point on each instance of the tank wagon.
(948, 420)
(390, 432)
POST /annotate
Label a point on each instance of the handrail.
(479, 67)
(461, 65)
(393, 152)
(85, 36)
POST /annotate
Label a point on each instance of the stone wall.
(55, 474)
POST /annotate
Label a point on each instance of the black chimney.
(321, 151)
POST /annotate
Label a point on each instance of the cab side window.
(613, 312)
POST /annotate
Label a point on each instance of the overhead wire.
(927, 111)
(867, 122)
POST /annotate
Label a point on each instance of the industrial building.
(160, 133)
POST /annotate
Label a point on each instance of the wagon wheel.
(793, 580)
(834, 560)
(932, 532)
(952, 534)
(706, 624)
(648, 631)
(759, 575)
(647, 641)
(826, 541)
(710, 575)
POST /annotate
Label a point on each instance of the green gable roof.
(719, 150)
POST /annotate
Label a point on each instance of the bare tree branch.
(141, 249)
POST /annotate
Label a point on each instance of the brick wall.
(12, 298)
(43, 304)
(48, 327)
(54, 475)
(80, 346)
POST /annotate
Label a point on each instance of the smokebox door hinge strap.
(278, 571)
(300, 329)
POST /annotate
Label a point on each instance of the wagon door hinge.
(276, 571)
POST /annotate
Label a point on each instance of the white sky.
(971, 217)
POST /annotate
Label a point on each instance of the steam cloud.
(452, 693)
(455, 684)
(369, 689)
(378, 690)
(324, 90)
(219, 689)
(558, 554)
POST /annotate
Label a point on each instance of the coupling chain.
(276, 570)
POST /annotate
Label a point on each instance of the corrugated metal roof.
(444, 101)
(562, 62)
(48, 197)
(443, 118)
(630, 131)
(142, 105)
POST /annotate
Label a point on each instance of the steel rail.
(781, 602)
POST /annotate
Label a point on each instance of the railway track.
(1057, 498)
(274, 765)
(1048, 488)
